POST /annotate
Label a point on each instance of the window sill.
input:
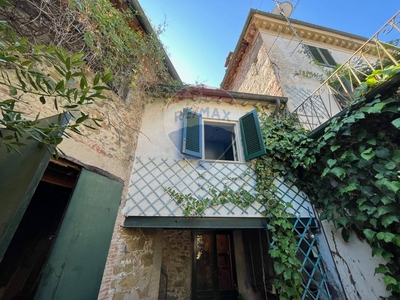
(213, 161)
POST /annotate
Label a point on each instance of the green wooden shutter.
(76, 263)
(252, 140)
(192, 133)
(328, 57)
(315, 53)
(19, 176)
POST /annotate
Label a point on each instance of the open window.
(218, 140)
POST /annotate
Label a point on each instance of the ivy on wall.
(283, 246)
(352, 171)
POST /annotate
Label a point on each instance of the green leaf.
(390, 165)
(389, 280)
(368, 154)
(396, 123)
(339, 172)
(396, 156)
(386, 200)
(392, 185)
(334, 148)
(5, 3)
(389, 219)
(386, 236)
(348, 188)
(96, 78)
(383, 153)
(359, 115)
(13, 91)
(378, 252)
(387, 255)
(68, 63)
(345, 234)
(376, 109)
(382, 268)
(77, 56)
(369, 234)
(331, 162)
(42, 100)
(107, 77)
(383, 210)
(60, 85)
(83, 83)
(279, 267)
(380, 168)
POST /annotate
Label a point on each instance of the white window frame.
(238, 144)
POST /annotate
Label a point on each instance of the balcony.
(336, 93)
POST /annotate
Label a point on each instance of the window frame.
(247, 130)
(238, 140)
(324, 57)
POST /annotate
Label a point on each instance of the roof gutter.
(144, 22)
(203, 91)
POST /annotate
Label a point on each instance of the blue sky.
(199, 34)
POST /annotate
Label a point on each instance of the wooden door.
(214, 275)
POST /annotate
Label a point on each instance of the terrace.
(362, 70)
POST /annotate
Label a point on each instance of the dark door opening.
(214, 270)
(26, 255)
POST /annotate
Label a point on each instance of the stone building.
(132, 219)
(170, 246)
(57, 216)
(197, 145)
(291, 58)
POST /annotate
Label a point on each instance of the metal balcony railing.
(337, 91)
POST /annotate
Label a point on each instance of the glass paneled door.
(214, 273)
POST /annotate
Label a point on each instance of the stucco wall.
(291, 62)
(355, 265)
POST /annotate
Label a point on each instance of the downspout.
(277, 105)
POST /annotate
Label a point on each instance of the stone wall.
(136, 273)
(257, 74)
(177, 256)
(139, 257)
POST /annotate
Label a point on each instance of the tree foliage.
(52, 77)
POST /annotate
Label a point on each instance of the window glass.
(219, 141)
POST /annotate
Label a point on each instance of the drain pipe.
(277, 105)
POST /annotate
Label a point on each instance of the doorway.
(27, 253)
(214, 273)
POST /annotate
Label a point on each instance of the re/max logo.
(205, 112)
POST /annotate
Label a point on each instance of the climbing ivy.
(288, 279)
(351, 172)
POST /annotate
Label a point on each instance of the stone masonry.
(257, 73)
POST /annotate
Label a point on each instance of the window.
(322, 56)
(217, 140)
